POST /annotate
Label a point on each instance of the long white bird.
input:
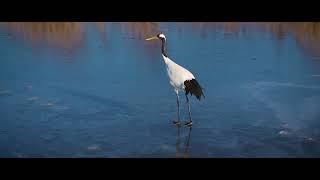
(180, 78)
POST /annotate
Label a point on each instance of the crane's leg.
(177, 123)
(190, 120)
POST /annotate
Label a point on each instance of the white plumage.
(180, 78)
(177, 74)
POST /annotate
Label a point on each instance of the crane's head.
(160, 36)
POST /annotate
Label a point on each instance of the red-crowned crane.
(180, 78)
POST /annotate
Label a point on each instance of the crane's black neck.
(163, 49)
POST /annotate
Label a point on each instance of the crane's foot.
(189, 123)
(177, 123)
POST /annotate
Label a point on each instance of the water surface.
(100, 90)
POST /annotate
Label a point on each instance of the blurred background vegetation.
(71, 34)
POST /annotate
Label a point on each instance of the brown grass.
(71, 34)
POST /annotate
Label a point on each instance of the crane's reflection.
(185, 153)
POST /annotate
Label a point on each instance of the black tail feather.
(193, 87)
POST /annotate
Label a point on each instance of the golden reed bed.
(71, 34)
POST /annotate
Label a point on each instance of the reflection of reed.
(140, 29)
(228, 27)
(307, 34)
(71, 34)
(101, 26)
(68, 35)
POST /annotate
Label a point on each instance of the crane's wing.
(193, 87)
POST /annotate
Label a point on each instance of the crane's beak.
(152, 38)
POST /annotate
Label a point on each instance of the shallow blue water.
(111, 97)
